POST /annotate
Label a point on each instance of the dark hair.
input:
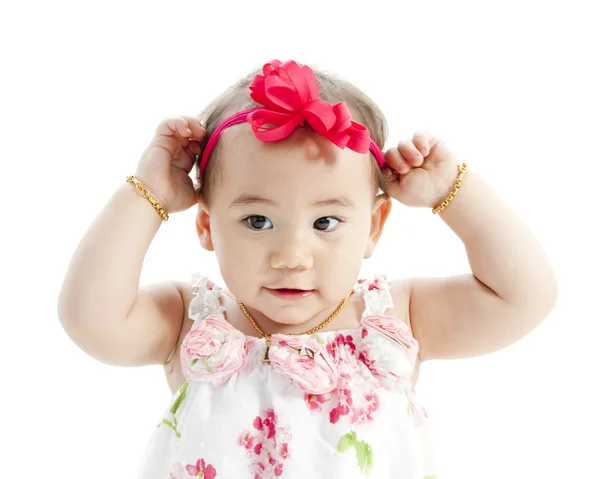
(331, 89)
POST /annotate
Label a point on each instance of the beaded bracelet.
(144, 192)
(461, 172)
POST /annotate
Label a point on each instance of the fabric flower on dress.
(355, 397)
(388, 349)
(305, 361)
(213, 351)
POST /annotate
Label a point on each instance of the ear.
(203, 225)
(381, 210)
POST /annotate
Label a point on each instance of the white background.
(511, 86)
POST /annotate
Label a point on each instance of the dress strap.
(205, 300)
(376, 293)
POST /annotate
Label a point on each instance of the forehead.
(304, 162)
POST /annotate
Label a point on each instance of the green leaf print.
(364, 456)
(181, 397)
(346, 441)
(170, 424)
(364, 452)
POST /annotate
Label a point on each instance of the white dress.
(330, 404)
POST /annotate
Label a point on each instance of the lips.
(291, 290)
(290, 293)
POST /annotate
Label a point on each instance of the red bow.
(290, 94)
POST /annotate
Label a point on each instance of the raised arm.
(512, 287)
(101, 306)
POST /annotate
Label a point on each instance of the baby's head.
(300, 213)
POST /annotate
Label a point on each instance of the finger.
(421, 140)
(396, 161)
(173, 127)
(410, 153)
(193, 123)
(194, 147)
(389, 174)
(179, 129)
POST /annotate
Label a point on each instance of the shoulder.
(400, 290)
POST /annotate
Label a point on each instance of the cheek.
(355, 236)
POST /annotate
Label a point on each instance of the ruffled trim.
(376, 294)
(205, 301)
(387, 349)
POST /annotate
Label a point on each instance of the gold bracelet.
(461, 172)
(144, 192)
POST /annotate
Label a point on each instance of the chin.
(289, 314)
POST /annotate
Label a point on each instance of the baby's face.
(295, 214)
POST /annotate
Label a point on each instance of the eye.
(322, 223)
(258, 222)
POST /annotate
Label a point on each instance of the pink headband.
(290, 94)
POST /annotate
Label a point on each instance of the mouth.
(290, 293)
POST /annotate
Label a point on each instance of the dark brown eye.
(322, 224)
(258, 222)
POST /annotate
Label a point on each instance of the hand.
(166, 163)
(421, 171)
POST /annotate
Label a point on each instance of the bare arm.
(99, 306)
(511, 290)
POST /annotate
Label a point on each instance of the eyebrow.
(246, 200)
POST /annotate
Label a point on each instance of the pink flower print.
(305, 361)
(341, 344)
(177, 471)
(366, 356)
(284, 451)
(246, 440)
(213, 351)
(200, 469)
(258, 423)
(314, 401)
(363, 410)
(270, 445)
(336, 412)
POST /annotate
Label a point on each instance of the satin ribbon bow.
(290, 94)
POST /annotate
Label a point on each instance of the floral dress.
(329, 404)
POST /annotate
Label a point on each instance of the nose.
(291, 253)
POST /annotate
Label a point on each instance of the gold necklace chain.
(310, 331)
